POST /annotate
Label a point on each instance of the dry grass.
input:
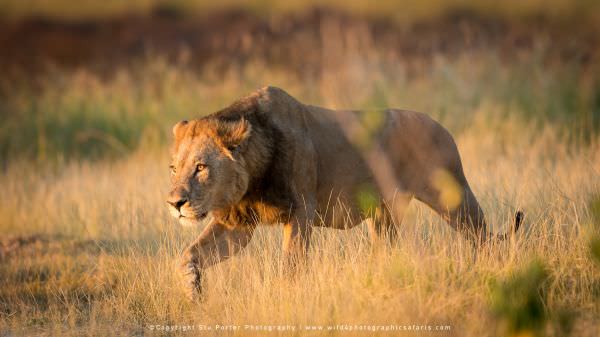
(102, 249)
(106, 254)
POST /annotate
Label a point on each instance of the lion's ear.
(234, 133)
(179, 129)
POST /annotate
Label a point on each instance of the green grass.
(83, 116)
(84, 175)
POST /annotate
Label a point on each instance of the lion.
(269, 159)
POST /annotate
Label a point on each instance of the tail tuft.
(518, 220)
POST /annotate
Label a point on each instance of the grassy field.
(87, 246)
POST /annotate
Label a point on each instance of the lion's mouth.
(199, 217)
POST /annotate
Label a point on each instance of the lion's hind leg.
(216, 243)
(465, 216)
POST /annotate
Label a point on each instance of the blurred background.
(89, 79)
(89, 92)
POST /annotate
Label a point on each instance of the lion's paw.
(192, 276)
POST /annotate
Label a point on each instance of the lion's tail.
(518, 221)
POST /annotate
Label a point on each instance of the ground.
(87, 244)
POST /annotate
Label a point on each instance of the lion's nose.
(177, 202)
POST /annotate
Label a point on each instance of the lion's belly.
(343, 176)
(337, 209)
(346, 183)
(340, 189)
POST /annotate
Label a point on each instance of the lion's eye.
(173, 169)
(200, 167)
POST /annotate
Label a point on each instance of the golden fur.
(270, 159)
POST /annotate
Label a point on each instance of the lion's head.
(207, 172)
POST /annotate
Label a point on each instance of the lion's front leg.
(216, 243)
(298, 229)
(296, 237)
(296, 241)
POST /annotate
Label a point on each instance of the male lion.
(270, 159)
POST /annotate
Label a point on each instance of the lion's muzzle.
(181, 209)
